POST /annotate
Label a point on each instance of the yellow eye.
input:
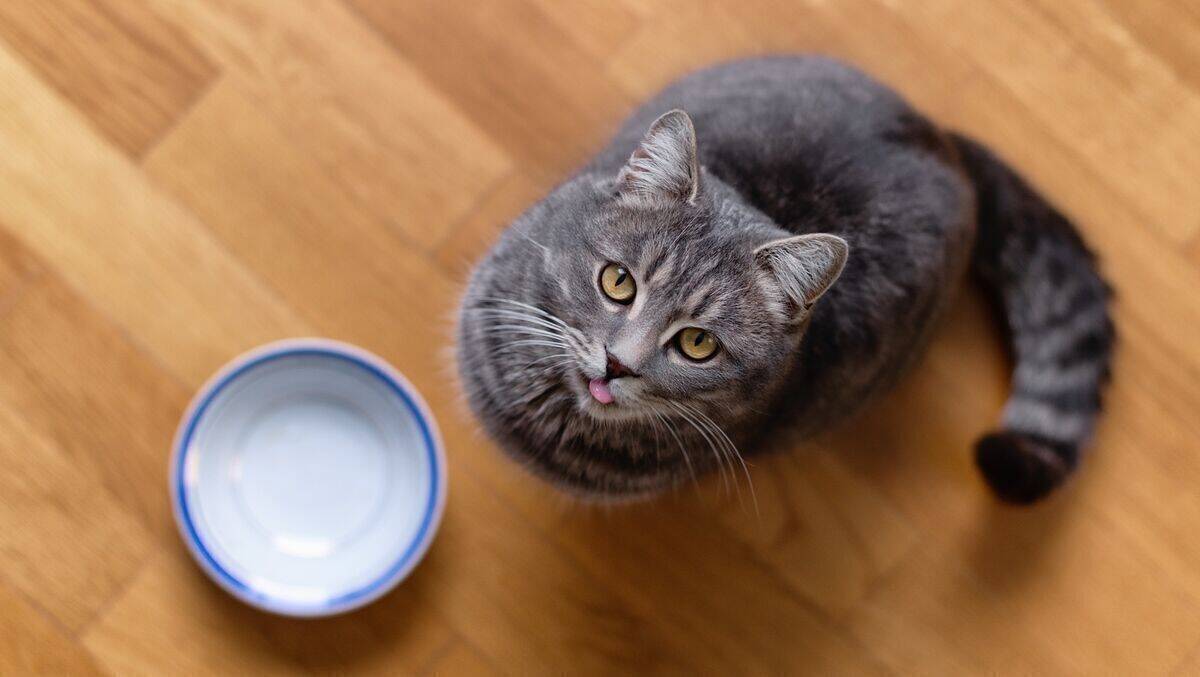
(696, 344)
(617, 283)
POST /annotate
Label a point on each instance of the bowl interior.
(307, 481)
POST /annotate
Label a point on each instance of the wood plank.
(599, 27)
(481, 580)
(1000, 609)
(1139, 506)
(700, 580)
(85, 425)
(346, 272)
(32, 645)
(367, 123)
(675, 41)
(526, 70)
(1189, 665)
(135, 255)
(131, 71)
(470, 238)
(822, 528)
(1132, 130)
(174, 620)
(461, 659)
(17, 265)
(672, 563)
(1171, 41)
(65, 540)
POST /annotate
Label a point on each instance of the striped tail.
(1055, 305)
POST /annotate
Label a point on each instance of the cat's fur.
(705, 212)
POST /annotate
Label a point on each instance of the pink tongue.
(598, 387)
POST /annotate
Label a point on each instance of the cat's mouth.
(607, 400)
(599, 390)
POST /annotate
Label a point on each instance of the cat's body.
(583, 387)
(812, 143)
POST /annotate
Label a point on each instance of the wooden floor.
(181, 180)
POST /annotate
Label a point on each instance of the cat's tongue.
(598, 387)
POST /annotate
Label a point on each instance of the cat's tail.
(1055, 305)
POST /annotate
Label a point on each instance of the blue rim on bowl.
(407, 396)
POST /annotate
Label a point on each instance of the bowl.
(308, 477)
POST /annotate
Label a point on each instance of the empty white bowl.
(308, 477)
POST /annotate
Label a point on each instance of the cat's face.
(637, 310)
(667, 313)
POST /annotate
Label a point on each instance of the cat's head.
(654, 296)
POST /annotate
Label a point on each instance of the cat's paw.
(1021, 468)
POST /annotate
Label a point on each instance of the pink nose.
(615, 369)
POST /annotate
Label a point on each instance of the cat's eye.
(617, 283)
(696, 344)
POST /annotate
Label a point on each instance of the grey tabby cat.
(774, 256)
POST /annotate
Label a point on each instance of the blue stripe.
(348, 599)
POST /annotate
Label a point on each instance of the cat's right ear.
(804, 267)
(663, 169)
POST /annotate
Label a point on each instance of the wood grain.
(461, 659)
(31, 643)
(80, 205)
(525, 72)
(183, 179)
(78, 521)
(216, 634)
(129, 70)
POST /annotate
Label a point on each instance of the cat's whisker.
(687, 460)
(548, 315)
(657, 440)
(733, 450)
(721, 463)
(522, 304)
(719, 444)
(551, 356)
(544, 249)
(729, 451)
(537, 341)
(700, 427)
(518, 315)
(552, 367)
(502, 316)
(508, 347)
(521, 329)
(730, 455)
(494, 307)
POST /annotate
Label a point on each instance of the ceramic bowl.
(308, 477)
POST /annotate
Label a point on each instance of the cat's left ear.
(804, 266)
(663, 169)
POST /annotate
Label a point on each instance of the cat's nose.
(614, 368)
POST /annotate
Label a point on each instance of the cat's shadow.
(933, 483)
(917, 445)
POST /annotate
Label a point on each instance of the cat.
(767, 243)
